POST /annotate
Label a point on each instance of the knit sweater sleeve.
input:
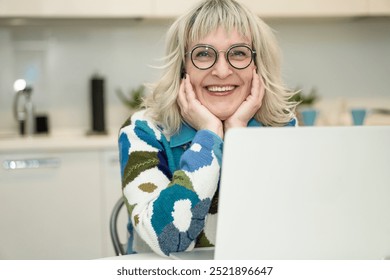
(168, 210)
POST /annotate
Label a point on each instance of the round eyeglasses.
(239, 56)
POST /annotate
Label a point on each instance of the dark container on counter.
(97, 105)
(41, 124)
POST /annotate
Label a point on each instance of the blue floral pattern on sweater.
(170, 188)
(168, 207)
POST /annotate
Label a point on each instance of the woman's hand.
(193, 112)
(249, 107)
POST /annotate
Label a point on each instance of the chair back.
(119, 247)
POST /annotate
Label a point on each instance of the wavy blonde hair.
(276, 109)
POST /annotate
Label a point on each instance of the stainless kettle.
(24, 112)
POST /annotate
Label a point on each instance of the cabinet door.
(75, 8)
(172, 8)
(112, 191)
(50, 206)
(379, 7)
(276, 8)
(307, 8)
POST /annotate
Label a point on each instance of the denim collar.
(187, 133)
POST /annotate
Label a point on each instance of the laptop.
(305, 193)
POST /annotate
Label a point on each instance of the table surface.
(140, 256)
(195, 254)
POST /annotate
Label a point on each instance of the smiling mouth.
(220, 89)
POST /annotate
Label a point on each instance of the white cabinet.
(171, 8)
(111, 192)
(50, 206)
(75, 8)
(174, 8)
(57, 204)
(307, 8)
(379, 7)
(277, 8)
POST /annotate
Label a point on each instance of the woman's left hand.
(249, 107)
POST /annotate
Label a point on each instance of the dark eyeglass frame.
(253, 55)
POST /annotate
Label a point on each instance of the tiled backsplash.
(346, 60)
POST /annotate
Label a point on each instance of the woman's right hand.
(193, 112)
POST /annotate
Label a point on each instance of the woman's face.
(221, 88)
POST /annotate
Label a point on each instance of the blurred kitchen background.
(58, 188)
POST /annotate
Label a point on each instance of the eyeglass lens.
(204, 57)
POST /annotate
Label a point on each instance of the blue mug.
(358, 116)
(309, 116)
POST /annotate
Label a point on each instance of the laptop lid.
(305, 193)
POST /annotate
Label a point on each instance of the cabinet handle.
(14, 164)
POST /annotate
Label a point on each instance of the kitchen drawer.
(50, 206)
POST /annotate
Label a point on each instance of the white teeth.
(216, 88)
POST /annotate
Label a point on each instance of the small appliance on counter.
(24, 115)
(98, 126)
(29, 123)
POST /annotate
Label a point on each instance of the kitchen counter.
(57, 142)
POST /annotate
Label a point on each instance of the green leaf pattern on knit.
(181, 178)
(130, 208)
(138, 162)
(203, 241)
(147, 187)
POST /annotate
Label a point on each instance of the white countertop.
(59, 141)
(140, 256)
(205, 253)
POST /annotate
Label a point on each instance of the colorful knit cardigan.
(170, 185)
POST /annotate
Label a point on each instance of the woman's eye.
(204, 54)
(238, 54)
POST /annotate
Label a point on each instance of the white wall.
(342, 58)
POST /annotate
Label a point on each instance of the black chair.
(119, 247)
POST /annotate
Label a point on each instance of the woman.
(222, 71)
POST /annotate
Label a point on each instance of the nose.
(222, 68)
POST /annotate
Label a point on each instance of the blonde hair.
(276, 109)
